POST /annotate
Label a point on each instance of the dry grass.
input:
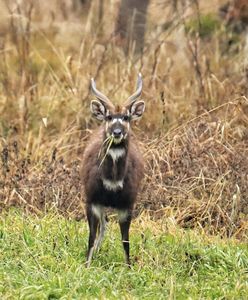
(194, 132)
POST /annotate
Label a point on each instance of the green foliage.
(43, 258)
(205, 25)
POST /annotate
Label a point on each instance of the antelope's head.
(117, 119)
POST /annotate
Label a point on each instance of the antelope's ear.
(98, 109)
(136, 110)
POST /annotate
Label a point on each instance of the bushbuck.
(112, 166)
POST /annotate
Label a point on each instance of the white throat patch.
(113, 185)
(116, 153)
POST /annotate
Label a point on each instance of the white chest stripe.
(112, 185)
(116, 153)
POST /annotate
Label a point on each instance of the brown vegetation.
(194, 132)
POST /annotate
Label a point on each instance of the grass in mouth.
(109, 141)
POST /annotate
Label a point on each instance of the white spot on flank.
(122, 214)
(97, 211)
(116, 153)
(112, 185)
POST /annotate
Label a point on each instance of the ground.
(43, 258)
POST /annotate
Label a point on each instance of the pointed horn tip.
(139, 81)
(92, 83)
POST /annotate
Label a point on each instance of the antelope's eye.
(126, 118)
(109, 118)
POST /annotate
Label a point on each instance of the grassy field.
(43, 258)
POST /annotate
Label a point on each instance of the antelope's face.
(117, 119)
(117, 125)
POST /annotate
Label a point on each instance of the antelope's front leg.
(101, 229)
(125, 218)
(93, 222)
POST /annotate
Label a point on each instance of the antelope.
(113, 180)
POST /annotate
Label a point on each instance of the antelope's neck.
(114, 166)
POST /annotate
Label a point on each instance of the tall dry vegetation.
(194, 132)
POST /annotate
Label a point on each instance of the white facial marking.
(118, 140)
(112, 185)
(115, 120)
(97, 211)
(116, 153)
(122, 215)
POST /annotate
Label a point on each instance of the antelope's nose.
(117, 132)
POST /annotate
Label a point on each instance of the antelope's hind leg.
(125, 218)
(93, 221)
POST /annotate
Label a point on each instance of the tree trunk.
(131, 24)
(235, 13)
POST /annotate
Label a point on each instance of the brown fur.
(130, 167)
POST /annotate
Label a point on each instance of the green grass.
(205, 25)
(43, 258)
